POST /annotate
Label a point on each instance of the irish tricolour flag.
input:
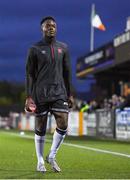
(96, 22)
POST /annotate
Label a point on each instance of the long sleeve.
(30, 72)
(67, 72)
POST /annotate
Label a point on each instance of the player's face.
(49, 28)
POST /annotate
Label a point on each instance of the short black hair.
(47, 18)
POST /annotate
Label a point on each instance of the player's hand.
(30, 105)
(70, 101)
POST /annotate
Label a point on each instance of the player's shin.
(40, 131)
(58, 138)
(39, 146)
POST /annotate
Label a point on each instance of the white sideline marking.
(75, 145)
(97, 150)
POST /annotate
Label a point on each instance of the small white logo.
(43, 52)
(65, 103)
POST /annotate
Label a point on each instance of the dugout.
(109, 65)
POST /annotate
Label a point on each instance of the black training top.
(48, 72)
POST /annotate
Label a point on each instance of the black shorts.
(58, 105)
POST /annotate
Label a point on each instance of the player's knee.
(61, 131)
(63, 125)
(40, 126)
(40, 132)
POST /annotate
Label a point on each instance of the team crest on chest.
(59, 50)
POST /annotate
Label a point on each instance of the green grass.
(18, 160)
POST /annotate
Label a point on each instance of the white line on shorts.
(75, 145)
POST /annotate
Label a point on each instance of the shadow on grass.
(21, 174)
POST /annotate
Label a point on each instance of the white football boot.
(53, 163)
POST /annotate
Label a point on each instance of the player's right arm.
(30, 79)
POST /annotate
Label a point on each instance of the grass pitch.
(18, 159)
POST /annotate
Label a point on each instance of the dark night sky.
(19, 29)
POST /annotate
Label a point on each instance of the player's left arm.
(30, 80)
(67, 75)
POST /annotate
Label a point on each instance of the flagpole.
(92, 29)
